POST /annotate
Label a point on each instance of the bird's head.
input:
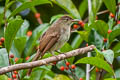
(66, 20)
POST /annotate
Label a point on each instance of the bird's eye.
(66, 19)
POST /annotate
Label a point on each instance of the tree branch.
(47, 60)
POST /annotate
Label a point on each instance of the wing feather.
(50, 44)
(48, 39)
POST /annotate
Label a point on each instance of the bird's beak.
(75, 20)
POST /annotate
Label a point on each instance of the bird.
(55, 37)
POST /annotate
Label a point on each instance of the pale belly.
(62, 40)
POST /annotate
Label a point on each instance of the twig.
(47, 60)
(72, 71)
(18, 76)
(113, 70)
(99, 13)
(91, 68)
(35, 11)
(103, 12)
(69, 66)
(88, 68)
(34, 59)
(98, 75)
(89, 54)
(10, 65)
(39, 21)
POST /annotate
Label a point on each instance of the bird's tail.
(37, 56)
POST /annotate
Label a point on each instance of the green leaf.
(76, 42)
(109, 55)
(14, 50)
(101, 27)
(12, 61)
(50, 75)
(20, 44)
(100, 63)
(111, 23)
(1, 18)
(82, 10)
(92, 17)
(116, 27)
(23, 29)
(61, 63)
(3, 77)
(115, 32)
(69, 7)
(9, 4)
(71, 59)
(86, 27)
(79, 72)
(6, 2)
(8, 12)
(66, 48)
(109, 79)
(30, 4)
(93, 74)
(61, 77)
(3, 58)
(111, 5)
(31, 57)
(96, 5)
(38, 74)
(22, 1)
(20, 60)
(99, 53)
(11, 31)
(48, 55)
(2, 32)
(4, 61)
(116, 49)
(95, 39)
(117, 73)
(26, 78)
(33, 39)
(84, 35)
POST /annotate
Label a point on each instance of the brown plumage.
(55, 37)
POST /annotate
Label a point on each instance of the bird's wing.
(50, 44)
(48, 40)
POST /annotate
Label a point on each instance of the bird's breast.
(64, 37)
(65, 34)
